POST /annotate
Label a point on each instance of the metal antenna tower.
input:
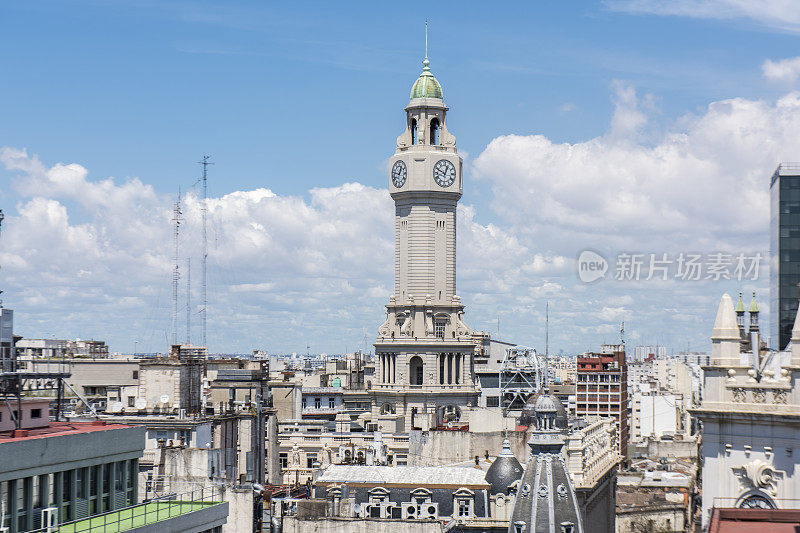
(547, 345)
(188, 300)
(204, 211)
(176, 275)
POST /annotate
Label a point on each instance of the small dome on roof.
(504, 471)
(544, 405)
(426, 85)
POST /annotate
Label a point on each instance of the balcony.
(198, 510)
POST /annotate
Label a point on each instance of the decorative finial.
(426, 39)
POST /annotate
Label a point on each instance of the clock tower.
(424, 367)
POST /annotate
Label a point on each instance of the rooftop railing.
(136, 516)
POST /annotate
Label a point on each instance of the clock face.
(444, 172)
(756, 502)
(399, 174)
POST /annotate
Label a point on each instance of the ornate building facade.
(425, 374)
(751, 418)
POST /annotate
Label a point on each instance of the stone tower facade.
(424, 367)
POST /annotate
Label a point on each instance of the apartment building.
(602, 389)
(66, 473)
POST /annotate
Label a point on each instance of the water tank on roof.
(337, 382)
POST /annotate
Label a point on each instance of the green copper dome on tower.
(426, 85)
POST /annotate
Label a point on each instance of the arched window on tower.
(413, 131)
(435, 131)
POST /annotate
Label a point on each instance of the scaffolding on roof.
(523, 373)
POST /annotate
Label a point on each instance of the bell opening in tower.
(435, 131)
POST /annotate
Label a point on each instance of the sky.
(639, 130)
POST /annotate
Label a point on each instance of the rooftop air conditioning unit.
(410, 510)
(386, 509)
(429, 510)
(50, 519)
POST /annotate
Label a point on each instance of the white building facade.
(751, 421)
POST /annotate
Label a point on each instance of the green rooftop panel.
(134, 517)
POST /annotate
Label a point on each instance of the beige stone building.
(424, 351)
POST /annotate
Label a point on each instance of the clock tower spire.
(424, 345)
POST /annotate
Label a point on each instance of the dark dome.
(504, 471)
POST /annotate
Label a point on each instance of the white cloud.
(87, 257)
(283, 270)
(779, 14)
(784, 70)
(703, 184)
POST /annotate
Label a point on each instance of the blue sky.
(294, 97)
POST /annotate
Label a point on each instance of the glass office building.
(784, 265)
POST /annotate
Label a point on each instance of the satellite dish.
(164, 398)
(140, 404)
(116, 407)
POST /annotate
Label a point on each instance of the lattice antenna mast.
(204, 263)
(188, 300)
(176, 274)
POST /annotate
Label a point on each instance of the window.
(283, 459)
(567, 527)
(331, 403)
(438, 328)
(463, 507)
(135, 374)
(304, 403)
(519, 526)
(493, 401)
(36, 413)
(435, 131)
(413, 131)
(131, 401)
(317, 403)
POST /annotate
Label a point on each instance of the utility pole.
(204, 265)
(176, 220)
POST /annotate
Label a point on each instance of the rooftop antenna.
(204, 263)
(188, 300)
(547, 344)
(547, 347)
(176, 275)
